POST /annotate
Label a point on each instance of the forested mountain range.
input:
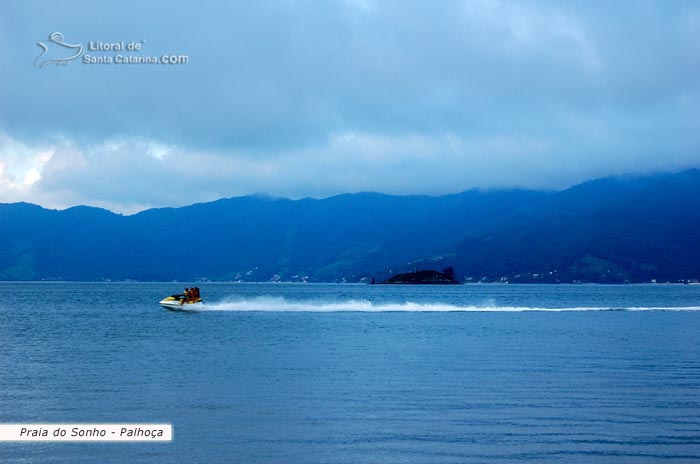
(619, 229)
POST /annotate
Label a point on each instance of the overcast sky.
(295, 98)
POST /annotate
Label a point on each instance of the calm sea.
(275, 373)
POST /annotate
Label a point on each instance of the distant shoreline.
(188, 282)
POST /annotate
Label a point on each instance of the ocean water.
(276, 373)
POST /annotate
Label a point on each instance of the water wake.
(279, 304)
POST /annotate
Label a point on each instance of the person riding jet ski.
(188, 300)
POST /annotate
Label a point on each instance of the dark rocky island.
(446, 277)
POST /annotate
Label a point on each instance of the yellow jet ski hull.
(180, 303)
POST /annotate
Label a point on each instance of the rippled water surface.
(350, 373)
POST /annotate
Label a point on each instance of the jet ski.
(181, 303)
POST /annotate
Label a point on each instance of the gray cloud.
(438, 97)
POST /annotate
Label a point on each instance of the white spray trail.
(279, 304)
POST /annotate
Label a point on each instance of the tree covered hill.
(608, 230)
